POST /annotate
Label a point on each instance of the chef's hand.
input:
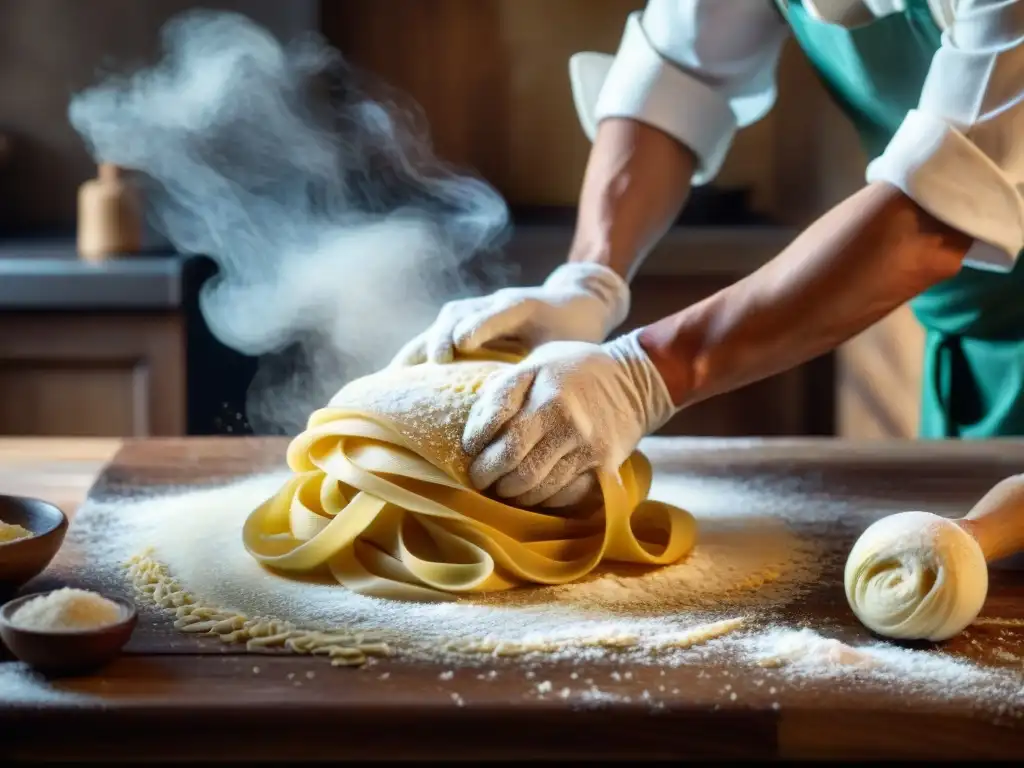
(539, 428)
(579, 301)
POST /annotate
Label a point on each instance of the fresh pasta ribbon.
(381, 500)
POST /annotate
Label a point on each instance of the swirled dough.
(916, 576)
(382, 501)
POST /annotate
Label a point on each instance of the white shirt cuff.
(639, 84)
(946, 174)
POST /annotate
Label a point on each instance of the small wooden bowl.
(24, 559)
(67, 652)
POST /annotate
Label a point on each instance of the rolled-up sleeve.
(960, 153)
(697, 70)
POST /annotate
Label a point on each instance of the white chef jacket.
(701, 69)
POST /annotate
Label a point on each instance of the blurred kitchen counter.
(104, 349)
(722, 252)
(46, 274)
(90, 349)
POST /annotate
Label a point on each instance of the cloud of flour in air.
(337, 232)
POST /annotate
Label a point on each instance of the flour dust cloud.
(337, 231)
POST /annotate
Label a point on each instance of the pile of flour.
(748, 560)
(805, 656)
(20, 685)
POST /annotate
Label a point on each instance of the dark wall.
(51, 48)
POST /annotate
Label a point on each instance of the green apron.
(974, 353)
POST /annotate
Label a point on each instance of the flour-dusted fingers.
(500, 398)
(508, 449)
(440, 348)
(594, 397)
(476, 331)
(413, 352)
(576, 492)
(535, 468)
(580, 302)
(562, 475)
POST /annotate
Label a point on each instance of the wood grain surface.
(174, 696)
(58, 470)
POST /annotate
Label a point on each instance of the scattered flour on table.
(754, 554)
(808, 655)
(20, 685)
(594, 697)
(804, 649)
(747, 560)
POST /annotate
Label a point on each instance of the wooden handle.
(997, 520)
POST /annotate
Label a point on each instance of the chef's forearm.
(636, 183)
(866, 257)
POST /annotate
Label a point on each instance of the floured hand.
(538, 430)
(580, 302)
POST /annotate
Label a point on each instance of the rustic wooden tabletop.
(172, 696)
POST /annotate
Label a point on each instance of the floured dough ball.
(916, 576)
(427, 404)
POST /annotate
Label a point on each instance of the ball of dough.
(916, 576)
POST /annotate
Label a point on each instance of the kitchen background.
(119, 348)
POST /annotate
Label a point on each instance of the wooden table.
(201, 698)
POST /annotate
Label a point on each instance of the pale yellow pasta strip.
(504, 546)
(312, 553)
(380, 577)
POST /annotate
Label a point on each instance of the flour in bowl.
(12, 532)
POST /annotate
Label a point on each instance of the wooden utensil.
(917, 575)
(996, 522)
(109, 215)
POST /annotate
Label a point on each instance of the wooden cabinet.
(113, 374)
